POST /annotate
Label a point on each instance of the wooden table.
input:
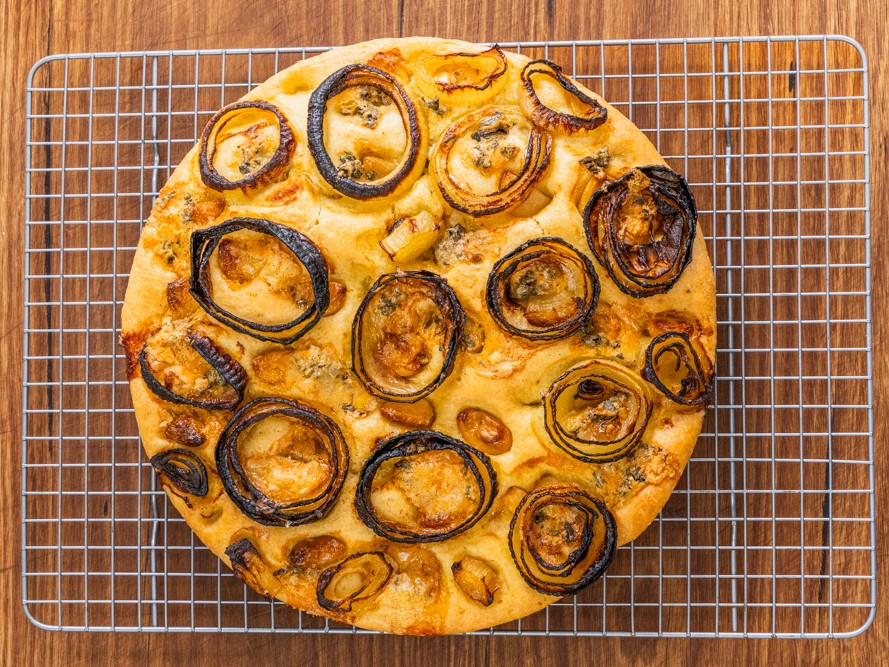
(40, 27)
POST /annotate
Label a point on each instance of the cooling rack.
(770, 531)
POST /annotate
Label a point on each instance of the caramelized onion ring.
(488, 83)
(249, 567)
(229, 370)
(606, 399)
(253, 502)
(595, 544)
(513, 192)
(183, 469)
(372, 566)
(430, 286)
(509, 313)
(363, 75)
(652, 265)
(213, 179)
(551, 119)
(696, 384)
(204, 243)
(413, 443)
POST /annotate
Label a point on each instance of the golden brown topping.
(416, 415)
(337, 297)
(271, 367)
(259, 262)
(132, 343)
(286, 459)
(434, 489)
(483, 430)
(411, 237)
(477, 578)
(315, 553)
(392, 61)
(555, 532)
(417, 573)
(179, 299)
(249, 566)
(185, 430)
(473, 336)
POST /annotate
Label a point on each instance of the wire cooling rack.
(770, 531)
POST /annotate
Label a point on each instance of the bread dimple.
(506, 377)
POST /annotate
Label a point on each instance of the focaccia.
(419, 333)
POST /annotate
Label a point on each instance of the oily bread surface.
(507, 377)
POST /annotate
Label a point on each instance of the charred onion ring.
(595, 544)
(514, 191)
(249, 567)
(508, 286)
(183, 469)
(363, 75)
(413, 443)
(229, 370)
(376, 572)
(653, 264)
(213, 179)
(253, 502)
(617, 410)
(551, 119)
(489, 82)
(695, 385)
(204, 243)
(381, 303)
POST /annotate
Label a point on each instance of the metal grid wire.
(771, 529)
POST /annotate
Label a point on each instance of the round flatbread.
(418, 333)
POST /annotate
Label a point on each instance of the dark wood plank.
(54, 26)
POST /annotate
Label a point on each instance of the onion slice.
(641, 229)
(462, 78)
(673, 365)
(593, 116)
(597, 411)
(406, 334)
(229, 372)
(249, 567)
(400, 449)
(252, 501)
(514, 189)
(364, 75)
(204, 243)
(561, 539)
(543, 290)
(359, 577)
(265, 173)
(183, 469)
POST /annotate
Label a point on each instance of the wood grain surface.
(40, 27)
